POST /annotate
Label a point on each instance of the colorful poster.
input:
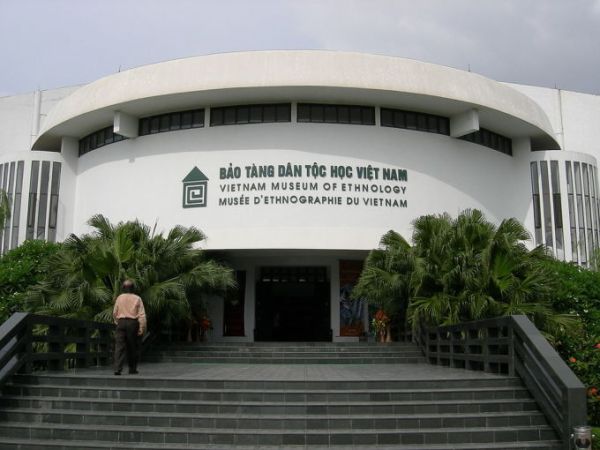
(351, 310)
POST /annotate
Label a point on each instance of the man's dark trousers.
(126, 342)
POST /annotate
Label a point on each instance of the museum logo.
(195, 186)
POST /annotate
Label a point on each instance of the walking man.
(130, 317)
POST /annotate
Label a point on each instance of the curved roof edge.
(93, 104)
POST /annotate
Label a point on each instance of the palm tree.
(86, 274)
(386, 279)
(472, 269)
(459, 270)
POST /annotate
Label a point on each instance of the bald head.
(127, 286)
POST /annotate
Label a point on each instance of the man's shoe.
(118, 373)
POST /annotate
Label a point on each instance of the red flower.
(381, 316)
(597, 345)
(592, 391)
(205, 324)
(572, 360)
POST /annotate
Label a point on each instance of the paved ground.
(294, 372)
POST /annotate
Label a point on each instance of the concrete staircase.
(195, 405)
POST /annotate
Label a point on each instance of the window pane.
(330, 114)
(216, 118)
(355, 115)
(10, 194)
(100, 138)
(368, 116)
(228, 116)
(165, 123)
(255, 114)
(343, 114)
(546, 205)
(154, 125)
(316, 113)
(269, 113)
(432, 124)
(421, 122)
(284, 113)
(444, 126)
(144, 127)
(303, 112)
(42, 209)
(93, 141)
(387, 118)
(198, 118)
(175, 121)
(411, 121)
(243, 115)
(31, 208)
(54, 190)
(109, 136)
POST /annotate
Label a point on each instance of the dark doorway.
(233, 311)
(293, 304)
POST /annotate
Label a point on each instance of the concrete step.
(277, 422)
(175, 358)
(8, 443)
(280, 395)
(261, 407)
(288, 353)
(234, 436)
(290, 347)
(273, 353)
(419, 382)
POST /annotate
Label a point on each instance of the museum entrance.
(293, 304)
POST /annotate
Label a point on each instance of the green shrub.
(21, 268)
(577, 292)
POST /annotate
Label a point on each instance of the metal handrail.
(512, 345)
(30, 342)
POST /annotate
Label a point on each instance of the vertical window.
(588, 209)
(556, 203)
(43, 206)
(10, 192)
(33, 196)
(16, 216)
(580, 213)
(54, 188)
(2, 186)
(547, 209)
(572, 211)
(175, 121)
(164, 123)
(537, 214)
(595, 203)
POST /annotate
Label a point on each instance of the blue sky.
(52, 43)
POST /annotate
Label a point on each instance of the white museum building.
(295, 163)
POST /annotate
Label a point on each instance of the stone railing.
(512, 345)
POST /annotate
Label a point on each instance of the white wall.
(20, 117)
(574, 116)
(142, 178)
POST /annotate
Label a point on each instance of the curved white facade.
(348, 147)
